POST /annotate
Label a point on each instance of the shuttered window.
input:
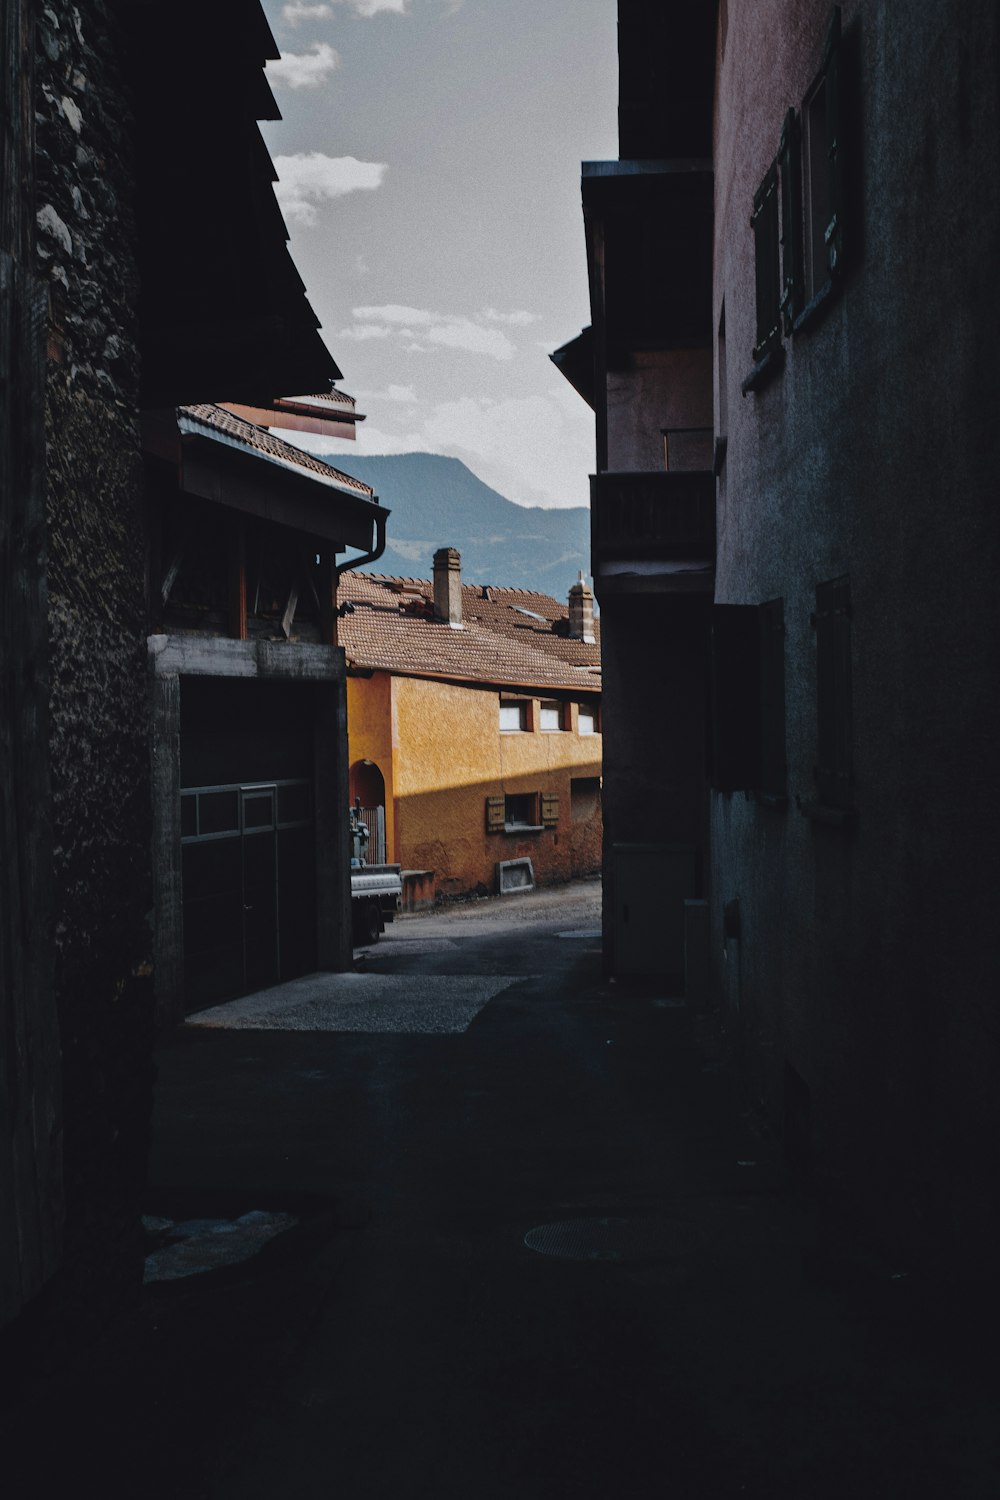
(823, 170)
(735, 698)
(495, 814)
(550, 809)
(832, 625)
(773, 770)
(790, 172)
(765, 231)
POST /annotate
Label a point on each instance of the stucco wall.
(867, 952)
(448, 756)
(661, 388)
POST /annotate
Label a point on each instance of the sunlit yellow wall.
(441, 752)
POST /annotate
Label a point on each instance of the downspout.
(358, 562)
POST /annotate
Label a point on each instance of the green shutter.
(765, 229)
(790, 166)
(833, 234)
(495, 814)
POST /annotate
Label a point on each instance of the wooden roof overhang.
(331, 415)
(648, 225)
(213, 466)
(223, 311)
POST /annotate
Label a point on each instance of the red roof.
(511, 637)
(260, 440)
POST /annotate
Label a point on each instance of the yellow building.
(473, 718)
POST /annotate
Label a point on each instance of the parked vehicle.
(376, 890)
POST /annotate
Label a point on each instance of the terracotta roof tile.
(512, 637)
(260, 440)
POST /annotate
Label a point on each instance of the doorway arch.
(367, 788)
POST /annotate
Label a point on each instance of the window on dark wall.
(748, 699)
(790, 172)
(735, 698)
(823, 171)
(773, 769)
(832, 625)
(764, 220)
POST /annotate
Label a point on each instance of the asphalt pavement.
(513, 1235)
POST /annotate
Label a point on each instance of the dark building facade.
(851, 645)
(109, 305)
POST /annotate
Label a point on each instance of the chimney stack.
(448, 587)
(581, 612)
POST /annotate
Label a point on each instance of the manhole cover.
(613, 1239)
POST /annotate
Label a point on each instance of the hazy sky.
(429, 163)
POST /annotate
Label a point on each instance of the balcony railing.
(653, 530)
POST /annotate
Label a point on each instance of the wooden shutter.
(832, 623)
(773, 771)
(790, 167)
(735, 697)
(833, 234)
(550, 809)
(764, 220)
(495, 814)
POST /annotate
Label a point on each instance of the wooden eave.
(213, 467)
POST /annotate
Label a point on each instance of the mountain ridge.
(437, 501)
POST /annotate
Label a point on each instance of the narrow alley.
(541, 1250)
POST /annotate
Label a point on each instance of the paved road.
(543, 1253)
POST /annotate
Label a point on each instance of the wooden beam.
(237, 564)
(288, 618)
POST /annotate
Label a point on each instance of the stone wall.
(97, 612)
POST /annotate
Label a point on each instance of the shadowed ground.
(541, 1252)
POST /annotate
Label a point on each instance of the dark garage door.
(248, 854)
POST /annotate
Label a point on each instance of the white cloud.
(404, 393)
(299, 10)
(464, 334)
(372, 7)
(304, 70)
(310, 178)
(363, 331)
(442, 330)
(394, 312)
(514, 319)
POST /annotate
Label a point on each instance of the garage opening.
(248, 848)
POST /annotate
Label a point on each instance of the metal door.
(258, 820)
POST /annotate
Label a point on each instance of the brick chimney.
(581, 612)
(448, 587)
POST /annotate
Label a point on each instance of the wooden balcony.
(653, 532)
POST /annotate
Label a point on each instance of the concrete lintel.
(214, 656)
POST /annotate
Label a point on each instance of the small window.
(521, 811)
(551, 716)
(513, 716)
(587, 719)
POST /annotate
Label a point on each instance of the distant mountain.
(438, 502)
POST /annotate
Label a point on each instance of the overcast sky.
(429, 163)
